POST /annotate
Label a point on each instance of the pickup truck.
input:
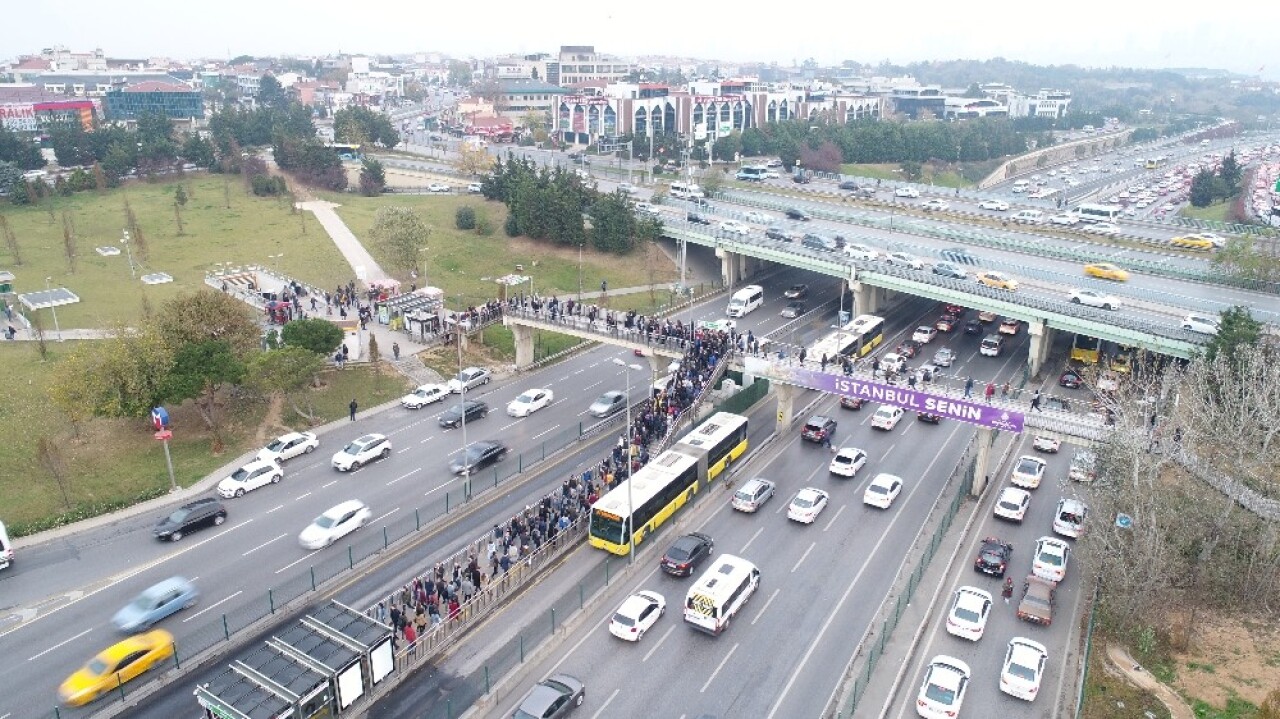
(1037, 600)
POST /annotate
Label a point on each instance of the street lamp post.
(631, 533)
(462, 404)
(52, 308)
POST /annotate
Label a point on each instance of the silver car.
(609, 404)
(553, 697)
(156, 603)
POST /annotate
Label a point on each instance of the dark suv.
(818, 428)
(684, 556)
(696, 219)
(796, 213)
(190, 517)
(472, 410)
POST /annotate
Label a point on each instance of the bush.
(511, 227)
(465, 218)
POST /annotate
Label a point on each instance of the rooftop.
(526, 86)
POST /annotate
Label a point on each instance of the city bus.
(868, 332)
(720, 592)
(1044, 193)
(640, 504)
(752, 174)
(1086, 349)
(717, 442)
(1098, 213)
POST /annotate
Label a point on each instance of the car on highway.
(1217, 240)
(986, 316)
(993, 557)
(190, 517)
(475, 188)
(1192, 242)
(1037, 601)
(477, 456)
(997, 280)
(335, 523)
(800, 178)
(1045, 443)
(997, 205)
(467, 411)
(860, 251)
(1012, 504)
(893, 362)
(807, 505)
(886, 417)
(793, 309)
(904, 259)
(796, 292)
(945, 323)
(1028, 472)
(1106, 271)
(257, 473)
(1070, 379)
(686, 553)
(941, 694)
(781, 234)
(944, 357)
(795, 213)
(947, 269)
(847, 461)
(935, 205)
(362, 451)
(1023, 669)
(760, 218)
(854, 403)
(753, 495)
(1202, 324)
(424, 395)
(117, 664)
(734, 227)
(1106, 229)
(628, 188)
(928, 417)
(437, 187)
(906, 192)
(288, 446)
(818, 428)
(608, 404)
(1069, 517)
(468, 379)
(967, 617)
(646, 208)
(638, 613)
(552, 698)
(155, 603)
(1065, 219)
(882, 490)
(908, 348)
(1009, 326)
(1093, 298)
(1050, 559)
(849, 185)
(530, 401)
(973, 327)
(924, 334)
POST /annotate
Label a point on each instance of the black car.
(848, 185)
(973, 327)
(929, 417)
(818, 428)
(959, 255)
(190, 517)
(796, 213)
(686, 553)
(477, 456)
(946, 269)
(800, 179)
(793, 309)
(796, 292)
(777, 233)
(1070, 379)
(850, 402)
(697, 219)
(471, 410)
(993, 557)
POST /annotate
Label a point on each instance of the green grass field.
(251, 231)
(1217, 212)
(892, 171)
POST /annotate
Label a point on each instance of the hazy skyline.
(1090, 33)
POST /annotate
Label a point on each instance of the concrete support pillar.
(986, 436)
(523, 335)
(866, 299)
(728, 267)
(786, 405)
(1041, 341)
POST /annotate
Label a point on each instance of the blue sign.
(1124, 521)
(160, 418)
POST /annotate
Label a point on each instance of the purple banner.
(979, 413)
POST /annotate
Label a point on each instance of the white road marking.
(597, 384)
(290, 565)
(211, 606)
(330, 484)
(260, 546)
(59, 644)
(718, 668)
(503, 429)
(388, 514)
(408, 474)
(803, 557)
(833, 519)
(543, 434)
(269, 511)
(605, 705)
(749, 541)
(766, 606)
(658, 643)
(301, 496)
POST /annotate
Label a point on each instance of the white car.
(760, 218)
(337, 522)
(1044, 443)
(882, 491)
(628, 188)
(361, 451)
(807, 505)
(860, 252)
(848, 461)
(1050, 559)
(1069, 517)
(893, 362)
(906, 192)
(1093, 298)
(904, 259)
(530, 401)
(1028, 472)
(935, 205)
(887, 417)
(736, 228)
(1106, 229)
(288, 446)
(258, 473)
(997, 205)
(638, 613)
(1012, 504)
(438, 187)
(970, 607)
(1218, 240)
(1024, 663)
(648, 209)
(1203, 324)
(944, 357)
(924, 334)
(942, 691)
(475, 188)
(469, 379)
(424, 395)
(753, 495)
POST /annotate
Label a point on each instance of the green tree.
(613, 224)
(194, 317)
(180, 196)
(20, 193)
(120, 376)
(288, 371)
(360, 125)
(373, 179)
(1202, 189)
(711, 183)
(754, 142)
(973, 91)
(271, 94)
(198, 151)
(402, 234)
(1246, 257)
(199, 370)
(10, 174)
(315, 335)
(19, 150)
(1237, 329)
(727, 148)
(1230, 171)
(459, 73)
(464, 218)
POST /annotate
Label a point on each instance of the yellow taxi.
(116, 665)
(1192, 242)
(1106, 271)
(998, 280)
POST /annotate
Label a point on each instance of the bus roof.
(862, 322)
(646, 483)
(722, 577)
(713, 429)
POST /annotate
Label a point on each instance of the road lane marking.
(503, 429)
(302, 496)
(428, 439)
(803, 557)
(323, 486)
(291, 565)
(718, 668)
(833, 519)
(55, 646)
(549, 431)
(597, 384)
(749, 541)
(605, 705)
(269, 511)
(211, 606)
(388, 514)
(408, 474)
(661, 639)
(260, 546)
(766, 606)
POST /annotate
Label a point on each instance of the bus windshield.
(606, 526)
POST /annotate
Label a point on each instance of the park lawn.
(893, 171)
(356, 381)
(1217, 212)
(466, 263)
(877, 171)
(251, 231)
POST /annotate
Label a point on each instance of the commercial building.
(175, 101)
(27, 108)
(518, 98)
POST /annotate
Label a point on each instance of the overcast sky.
(1097, 33)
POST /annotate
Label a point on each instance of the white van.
(991, 346)
(745, 300)
(685, 191)
(1030, 217)
(720, 592)
(6, 548)
(1020, 186)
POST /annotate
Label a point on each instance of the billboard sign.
(18, 116)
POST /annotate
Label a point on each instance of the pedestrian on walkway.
(395, 350)
(1004, 391)
(991, 391)
(353, 407)
(1007, 592)
(1035, 401)
(968, 388)
(10, 332)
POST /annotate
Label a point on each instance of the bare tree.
(11, 241)
(37, 327)
(49, 455)
(69, 241)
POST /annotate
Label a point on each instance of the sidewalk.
(362, 263)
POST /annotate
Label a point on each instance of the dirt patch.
(267, 428)
(1137, 674)
(1230, 657)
